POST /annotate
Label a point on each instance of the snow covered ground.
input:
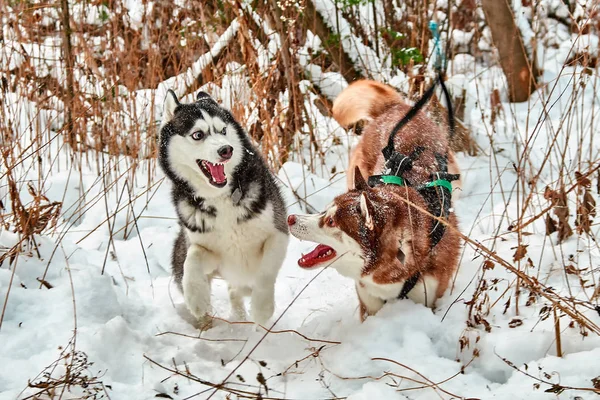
(113, 304)
(131, 319)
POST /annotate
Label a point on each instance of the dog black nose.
(291, 220)
(226, 152)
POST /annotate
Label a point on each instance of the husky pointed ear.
(366, 209)
(169, 106)
(204, 98)
(359, 181)
(202, 95)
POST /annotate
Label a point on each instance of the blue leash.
(435, 32)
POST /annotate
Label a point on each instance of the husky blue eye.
(198, 135)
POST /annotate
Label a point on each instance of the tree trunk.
(69, 65)
(520, 72)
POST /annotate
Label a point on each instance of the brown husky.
(378, 236)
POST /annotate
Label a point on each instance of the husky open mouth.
(322, 253)
(215, 172)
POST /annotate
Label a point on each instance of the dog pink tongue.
(217, 171)
(322, 253)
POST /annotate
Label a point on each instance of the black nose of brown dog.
(226, 152)
(291, 220)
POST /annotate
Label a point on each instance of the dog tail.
(363, 100)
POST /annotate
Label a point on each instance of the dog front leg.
(199, 264)
(453, 168)
(263, 291)
(369, 305)
(236, 298)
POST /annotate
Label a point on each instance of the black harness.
(438, 191)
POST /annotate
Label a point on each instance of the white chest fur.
(235, 241)
(424, 291)
(382, 291)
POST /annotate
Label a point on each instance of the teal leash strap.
(435, 32)
(440, 66)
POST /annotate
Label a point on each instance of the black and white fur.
(237, 231)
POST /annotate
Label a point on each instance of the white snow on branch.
(363, 57)
(180, 83)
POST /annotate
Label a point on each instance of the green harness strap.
(392, 180)
(396, 180)
(439, 182)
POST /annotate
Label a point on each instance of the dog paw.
(238, 316)
(204, 323)
(197, 303)
(262, 309)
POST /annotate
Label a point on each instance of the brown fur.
(383, 108)
(397, 220)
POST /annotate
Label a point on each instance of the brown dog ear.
(366, 209)
(359, 181)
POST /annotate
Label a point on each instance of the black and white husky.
(231, 212)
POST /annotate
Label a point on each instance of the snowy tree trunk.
(519, 71)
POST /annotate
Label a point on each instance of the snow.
(113, 297)
(122, 316)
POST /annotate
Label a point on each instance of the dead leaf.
(545, 312)
(582, 180)
(589, 203)
(571, 270)
(549, 194)
(488, 264)
(550, 225)
(515, 322)
(496, 103)
(556, 388)
(520, 252)
(463, 342)
(261, 379)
